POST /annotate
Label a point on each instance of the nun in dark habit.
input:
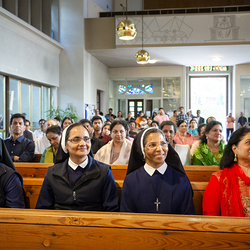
(77, 181)
(156, 181)
(11, 182)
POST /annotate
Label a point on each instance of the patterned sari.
(203, 155)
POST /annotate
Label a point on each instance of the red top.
(228, 193)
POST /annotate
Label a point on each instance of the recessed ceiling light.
(216, 59)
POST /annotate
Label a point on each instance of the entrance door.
(135, 106)
(209, 94)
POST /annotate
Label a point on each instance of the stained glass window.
(122, 89)
(208, 68)
(149, 89)
(130, 90)
(136, 91)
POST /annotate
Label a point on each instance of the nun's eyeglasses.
(153, 146)
(77, 140)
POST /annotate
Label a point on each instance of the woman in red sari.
(228, 191)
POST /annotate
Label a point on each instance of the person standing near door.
(242, 121)
(230, 125)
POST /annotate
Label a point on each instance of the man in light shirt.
(161, 117)
(42, 142)
(42, 129)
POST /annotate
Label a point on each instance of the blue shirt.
(22, 147)
(193, 131)
(182, 117)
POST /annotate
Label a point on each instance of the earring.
(235, 158)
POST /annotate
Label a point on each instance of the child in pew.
(77, 181)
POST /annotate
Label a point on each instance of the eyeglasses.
(153, 146)
(116, 131)
(77, 140)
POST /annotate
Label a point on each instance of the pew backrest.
(48, 229)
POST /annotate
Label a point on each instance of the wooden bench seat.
(39, 170)
(32, 187)
(45, 229)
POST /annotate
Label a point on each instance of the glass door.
(135, 106)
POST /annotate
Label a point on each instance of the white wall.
(80, 73)
(26, 52)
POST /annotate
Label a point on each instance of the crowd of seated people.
(155, 151)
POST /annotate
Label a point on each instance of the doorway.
(210, 95)
(135, 106)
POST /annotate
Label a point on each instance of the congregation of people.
(154, 149)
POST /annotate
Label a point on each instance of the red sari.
(228, 193)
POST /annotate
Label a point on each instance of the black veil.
(136, 159)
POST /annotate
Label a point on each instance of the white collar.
(162, 169)
(74, 166)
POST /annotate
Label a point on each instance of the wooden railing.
(44, 229)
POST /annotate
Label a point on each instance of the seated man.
(20, 148)
(42, 142)
(96, 143)
(42, 130)
(27, 130)
(97, 125)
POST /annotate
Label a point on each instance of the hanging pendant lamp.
(142, 56)
(126, 30)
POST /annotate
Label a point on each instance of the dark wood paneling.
(163, 4)
(24, 10)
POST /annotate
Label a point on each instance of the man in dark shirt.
(96, 143)
(20, 148)
(242, 121)
(97, 125)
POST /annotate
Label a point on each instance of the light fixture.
(142, 56)
(126, 30)
(216, 58)
(152, 61)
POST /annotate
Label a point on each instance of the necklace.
(157, 202)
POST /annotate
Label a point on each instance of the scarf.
(230, 198)
(103, 154)
(203, 154)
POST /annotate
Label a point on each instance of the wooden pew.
(32, 169)
(37, 158)
(45, 229)
(32, 187)
(39, 170)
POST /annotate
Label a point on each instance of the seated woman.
(156, 181)
(196, 144)
(118, 150)
(169, 129)
(11, 182)
(53, 134)
(66, 122)
(228, 191)
(77, 181)
(211, 148)
(182, 136)
(132, 129)
(193, 127)
(155, 124)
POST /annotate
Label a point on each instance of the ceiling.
(179, 55)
